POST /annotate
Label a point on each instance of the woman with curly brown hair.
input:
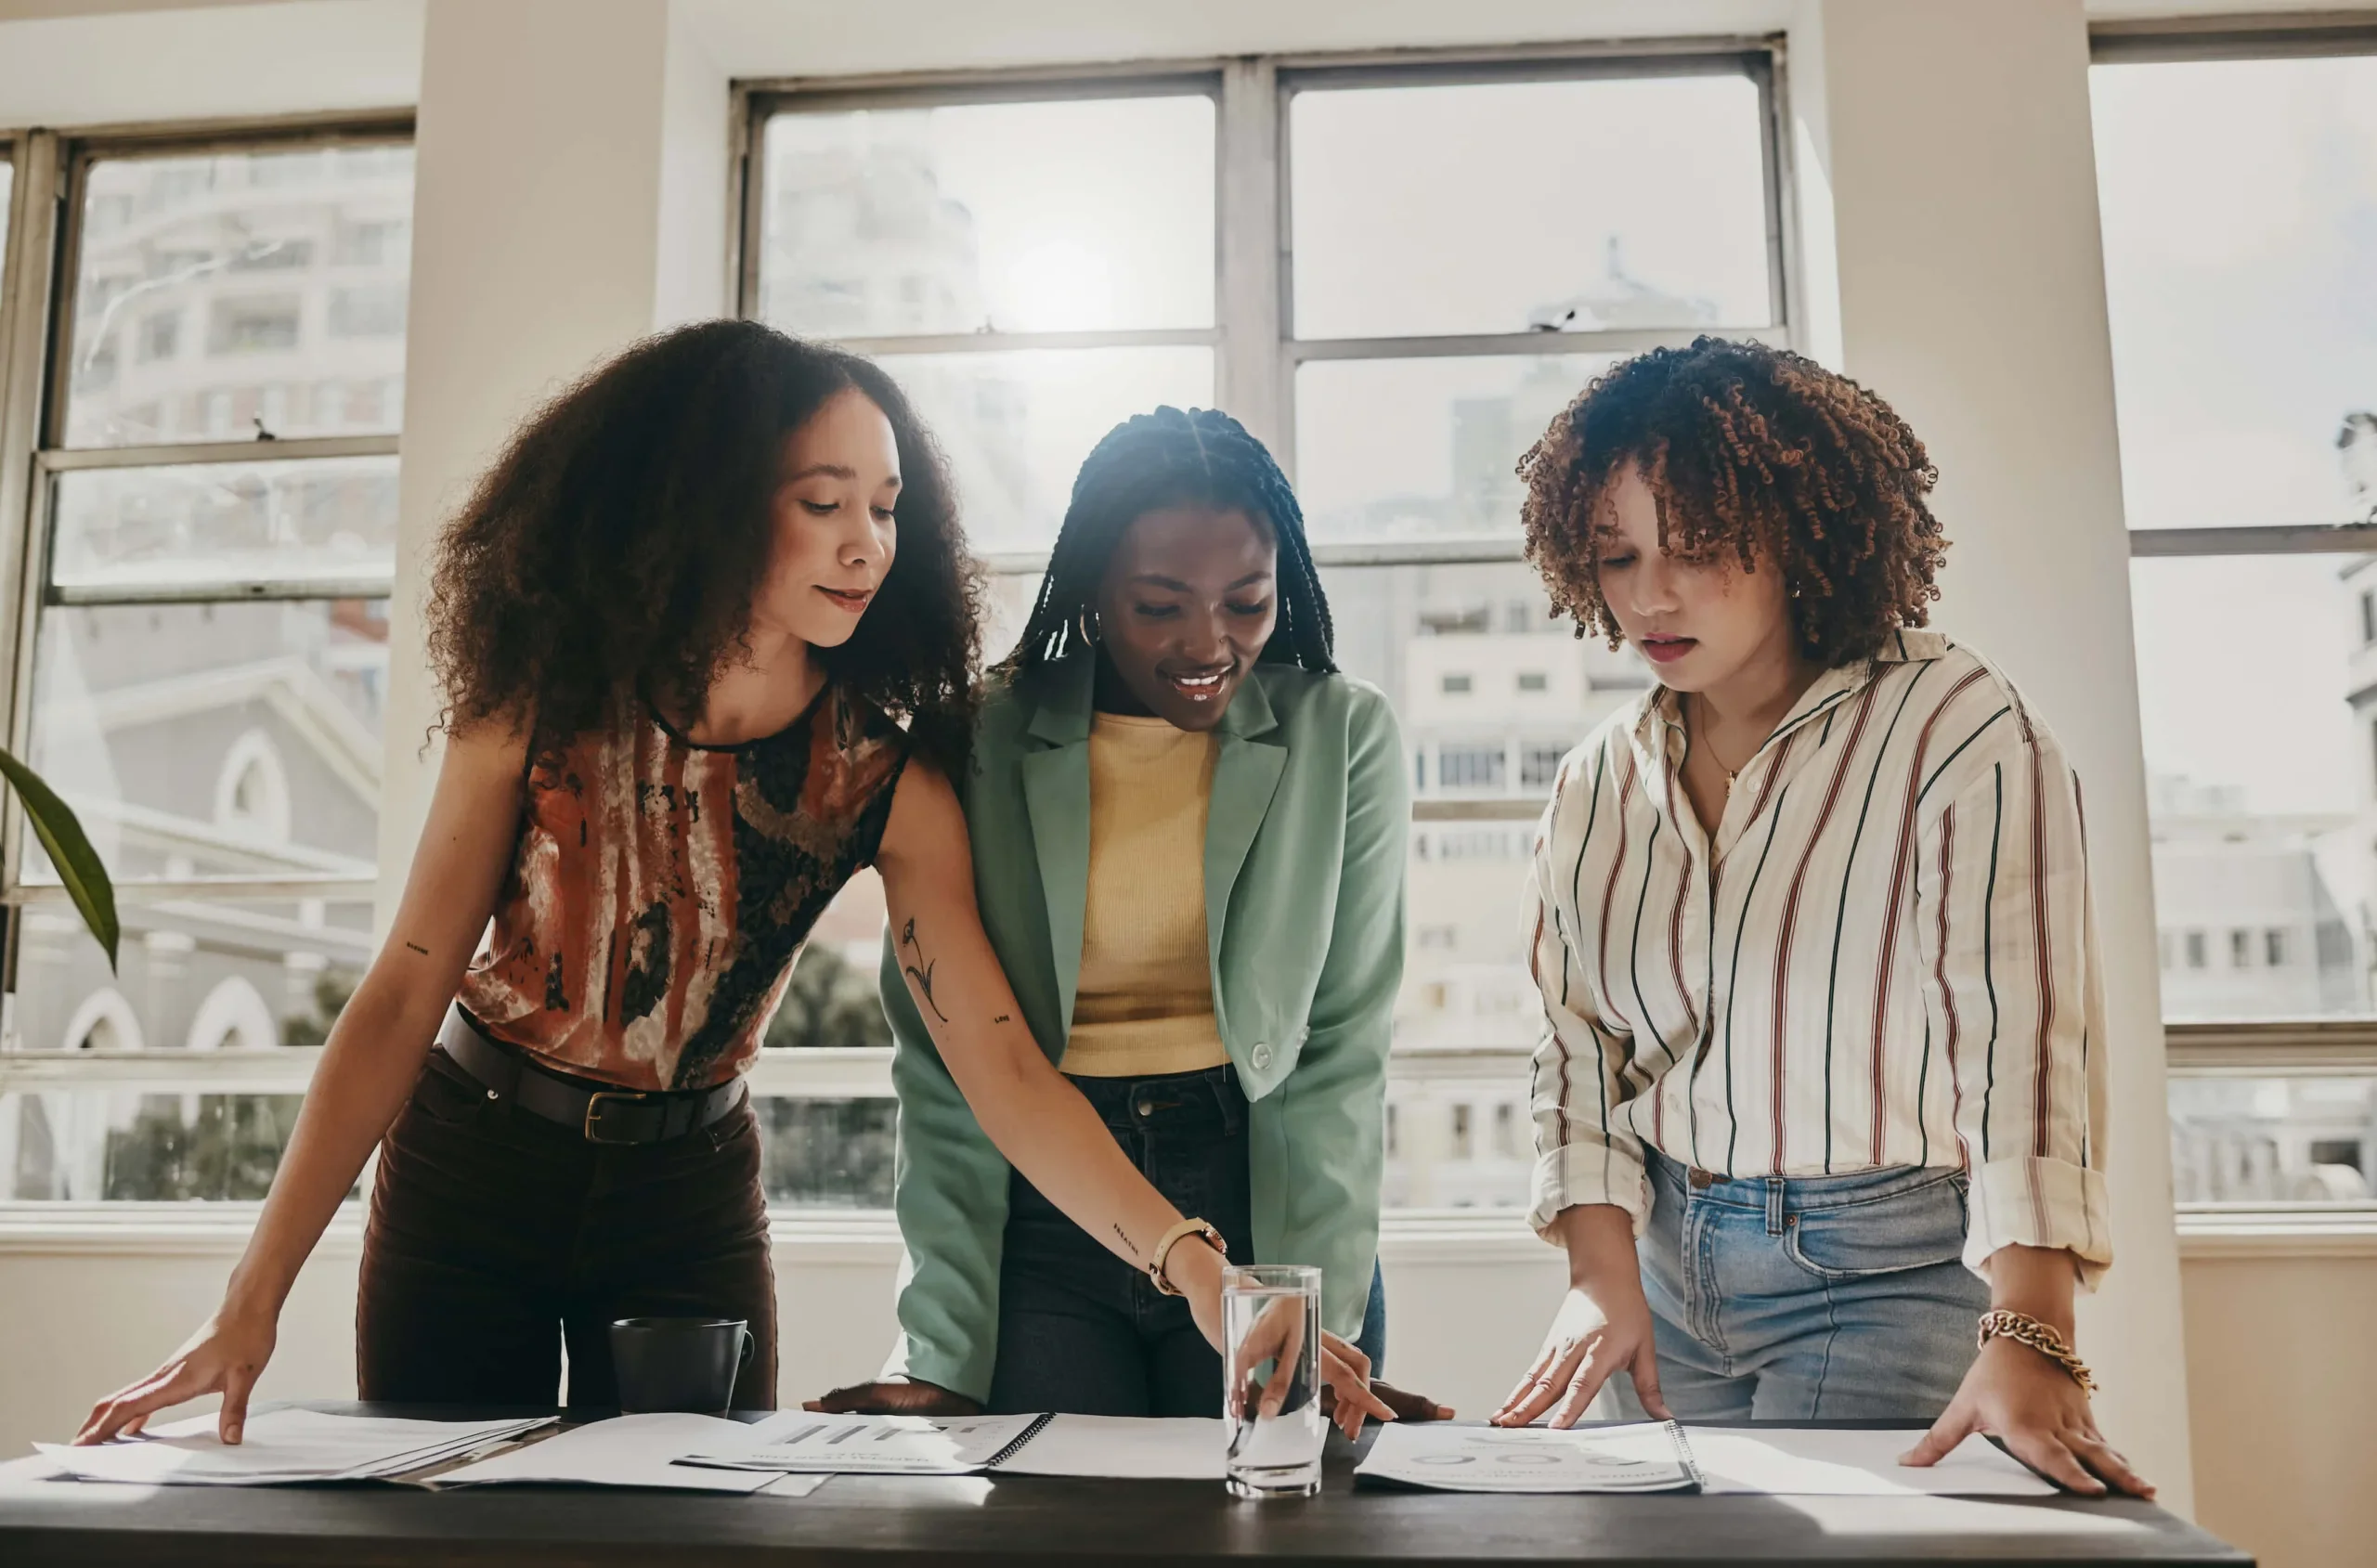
(1817, 1106)
(678, 628)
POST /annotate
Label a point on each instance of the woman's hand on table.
(1603, 1327)
(226, 1355)
(895, 1396)
(1278, 1336)
(1407, 1405)
(2014, 1393)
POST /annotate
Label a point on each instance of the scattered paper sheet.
(1642, 1456)
(793, 1486)
(624, 1451)
(1813, 1462)
(1125, 1447)
(804, 1440)
(282, 1447)
(1116, 1448)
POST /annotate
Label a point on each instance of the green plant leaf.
(70, 851)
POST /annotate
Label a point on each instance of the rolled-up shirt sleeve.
(1583, 1151)
(2014, 996)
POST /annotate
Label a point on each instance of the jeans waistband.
(1796, 1193)
(1207, 1101)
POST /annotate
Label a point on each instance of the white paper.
(804, 1440)
(280, 1447)
(624, 1451)
(1811, 1462)
(1125, 1447)
(793, 1486)
(1638, 1458)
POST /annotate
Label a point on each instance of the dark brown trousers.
(495, 1236)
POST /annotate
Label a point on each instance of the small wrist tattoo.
(418, 948)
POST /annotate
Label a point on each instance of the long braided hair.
(1168, 458)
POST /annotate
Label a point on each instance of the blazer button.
(1260, 1055)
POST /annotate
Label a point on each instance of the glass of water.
(1271, 1379)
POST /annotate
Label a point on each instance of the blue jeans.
(1807, 1298)
(1083, 1332)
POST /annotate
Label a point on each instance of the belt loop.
(1774, 1205)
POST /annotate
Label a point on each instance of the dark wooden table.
(910, 1521)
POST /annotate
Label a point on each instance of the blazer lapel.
(1246, 775)
(1056, 796)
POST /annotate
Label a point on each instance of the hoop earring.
(1089, 637)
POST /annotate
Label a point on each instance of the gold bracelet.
(1163, 1246)
(2024, 1329)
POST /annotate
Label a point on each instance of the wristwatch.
(1197, 1229)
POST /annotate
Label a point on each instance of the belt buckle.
(593, 1108)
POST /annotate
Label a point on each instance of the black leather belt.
(602, 1115)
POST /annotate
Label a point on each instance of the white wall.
(93, 64)
(570, 197)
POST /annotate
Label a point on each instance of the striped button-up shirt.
(1884, 957)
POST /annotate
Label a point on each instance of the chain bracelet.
(2024, 1329)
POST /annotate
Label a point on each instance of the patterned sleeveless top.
(661, 889)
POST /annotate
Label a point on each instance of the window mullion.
(1250, 379)
(25, 332)
(191, 454)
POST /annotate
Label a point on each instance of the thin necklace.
(1692, 714)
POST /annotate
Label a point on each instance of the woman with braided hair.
(1189, 835)
(1819, 1102)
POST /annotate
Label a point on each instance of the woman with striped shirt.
(1817, 1104)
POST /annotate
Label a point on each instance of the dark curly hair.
(615, 544)
(1758, 452)
(1168, 458)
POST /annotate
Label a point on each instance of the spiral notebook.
(1110, 1446)
(1663, 1457)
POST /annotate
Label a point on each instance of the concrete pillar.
(1960, 218)
(570, 197)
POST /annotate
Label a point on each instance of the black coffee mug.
(679, 1363)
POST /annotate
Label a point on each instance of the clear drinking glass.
(1271, 1379)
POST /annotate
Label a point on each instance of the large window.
(2237, 177)
(210, 545)
(1397, 277)
(208, 533)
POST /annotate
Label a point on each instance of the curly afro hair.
(1754, 452)
(614, 547)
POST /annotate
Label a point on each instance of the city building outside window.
(2237, 175)
(209, 653)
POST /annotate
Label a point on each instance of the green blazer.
(1305, 842)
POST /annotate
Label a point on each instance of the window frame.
(37, 302)
(2275, 1047)
(1255, 351)
(36, 421)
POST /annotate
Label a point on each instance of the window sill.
(828, 1236)
(859, 1236)
(2277, 1233)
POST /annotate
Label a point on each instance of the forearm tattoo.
(920, 971)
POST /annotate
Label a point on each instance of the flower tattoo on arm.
(921, 970)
